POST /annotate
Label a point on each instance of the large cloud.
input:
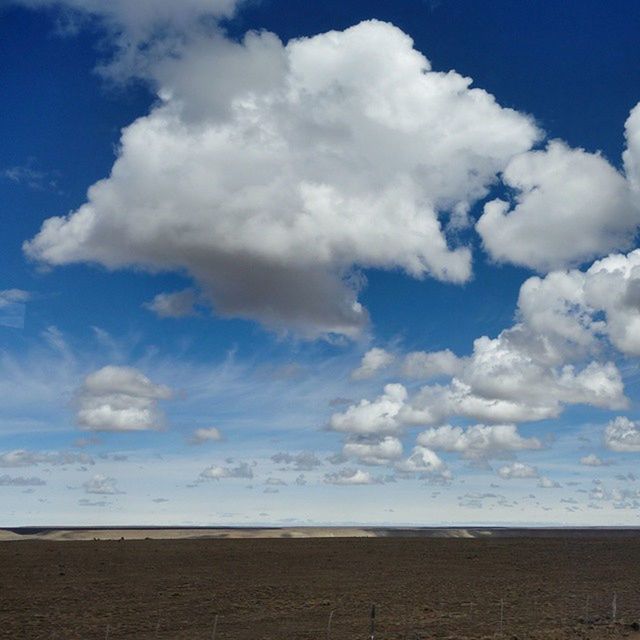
(549, 359)
(516, 377)
(120, 399)
(270, 172)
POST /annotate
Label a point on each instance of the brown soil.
(284, 589)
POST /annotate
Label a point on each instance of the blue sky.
(367, 263)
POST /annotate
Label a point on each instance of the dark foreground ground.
(286, 588)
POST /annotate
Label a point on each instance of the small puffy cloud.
(373, 361)
(25, 458)
(374, 451)
(85, 502)
(20, 481)
(275, 482)
(218, 472)
(101, 485)
(592, 460)
(120, 399)
(350, 477)
(425, 365)
(423, 460)
(179, 304)
(548, 483)
(303, 461)
(200, 436)
(301, 164)
(570, 206)
(517, 470)
(378, 417)
(478, 441)
(622, 435)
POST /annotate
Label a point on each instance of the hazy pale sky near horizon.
(362, 262)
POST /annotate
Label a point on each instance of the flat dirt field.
(279, 589)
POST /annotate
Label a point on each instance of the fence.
(580, 614)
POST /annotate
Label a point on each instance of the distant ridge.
(133, 532)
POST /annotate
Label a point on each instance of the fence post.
(586, 611)
(501, 616)
(373, 622)
(329, 625)
(215, 627)
(614, 608)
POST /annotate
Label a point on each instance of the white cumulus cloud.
(580, 307)
(517, 470)
(547, 483)
(120, 399)
(179, 304)
(373, 361)
(422, 364)
(622, 435)
(101, 485)
(478, 441)
(374, 451)
(377, 417)
(592, 460)
(350, 477)
(202, 435)
(217, 472)
(571, 206)
(423, 460)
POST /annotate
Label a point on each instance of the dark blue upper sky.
(575, 66)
